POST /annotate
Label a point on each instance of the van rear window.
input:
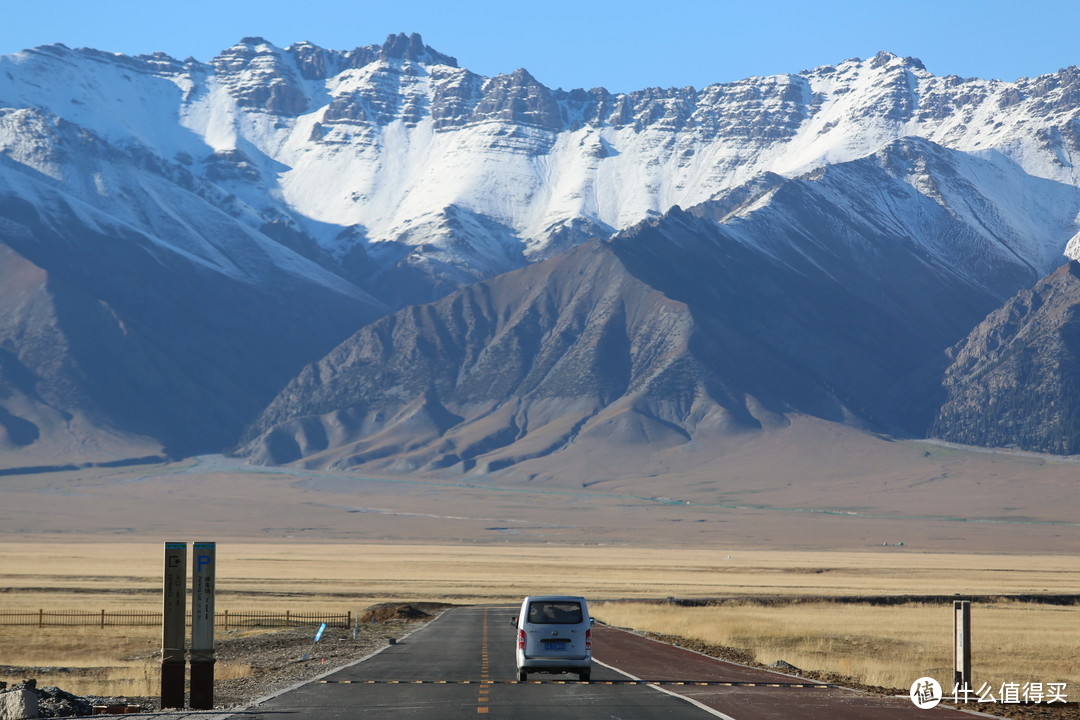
(545, 612)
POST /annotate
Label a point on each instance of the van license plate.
(554, 646)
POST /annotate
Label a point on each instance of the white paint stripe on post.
(962, 644)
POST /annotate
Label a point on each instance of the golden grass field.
(1014, 642)
(339, 577)
(109, 662)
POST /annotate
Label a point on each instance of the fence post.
(102, 618)
(348, 618)
(962, 645)
(40, 618)
(287, 621)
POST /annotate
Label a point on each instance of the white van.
(554, 635)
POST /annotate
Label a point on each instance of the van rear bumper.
(555, 662)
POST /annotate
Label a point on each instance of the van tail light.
(521, 639)
(588, 639)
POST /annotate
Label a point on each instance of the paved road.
(462, 666)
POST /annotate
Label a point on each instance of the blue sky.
(574, 43)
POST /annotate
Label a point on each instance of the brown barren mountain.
(680, 332)
(1015, 380)
(518, 367)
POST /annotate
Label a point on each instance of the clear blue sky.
(581, 43)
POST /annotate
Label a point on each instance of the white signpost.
(202, 626)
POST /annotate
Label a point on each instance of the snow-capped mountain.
(394, 152)
(834, 294)
(171, 225)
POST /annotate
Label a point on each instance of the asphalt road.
(462, 666)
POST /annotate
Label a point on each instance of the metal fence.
(225, 619)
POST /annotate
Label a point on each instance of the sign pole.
(202, 626)
(173, 625)
(962, 645)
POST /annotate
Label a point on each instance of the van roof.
(530, 598)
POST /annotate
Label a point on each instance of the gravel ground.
(282, 659)
(277, 659)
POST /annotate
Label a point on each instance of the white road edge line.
(255, 703)
(976, 713)
(692, 701)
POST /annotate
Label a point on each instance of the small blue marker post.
(318, 637)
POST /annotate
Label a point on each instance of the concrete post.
(173, 625)
(202, 625)
(962, 645)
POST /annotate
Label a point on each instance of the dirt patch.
(386, 612)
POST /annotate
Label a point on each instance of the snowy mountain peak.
(887, 59)
(350, 149)
(336, 185)
(412, 48)
(260, 76)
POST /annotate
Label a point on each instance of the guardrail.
(135, 618)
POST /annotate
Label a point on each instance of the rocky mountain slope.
(1015, 380)
(113, 346)
(784, 297)
(180, 238)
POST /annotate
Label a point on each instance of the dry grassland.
(341, 577)
(109, 662)
(892, 646)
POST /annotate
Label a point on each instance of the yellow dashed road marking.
(484, 667)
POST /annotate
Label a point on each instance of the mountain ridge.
(748, 122)
(1012, 382)
(769, 316)
(285, 198)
